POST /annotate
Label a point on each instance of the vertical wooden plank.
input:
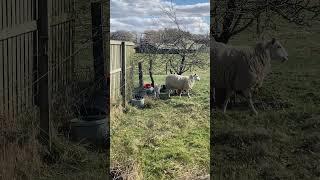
(123, 73)
(44, 90)
(35, 57)
(10, 88)
(56, 7)
(26, 69)
(4, 13)
(14, 76)
(69, 6)
(70, 50)
(24, 10)
(66, 52)
(30, 65)
(18, 9)
(58, 80)
(1, 14)
(19, 57)
(54, 57)
(9, 10)
(13, 12)
(73, 47)
(23, 71)
(37, 2)
(1, 77)
(5, 76)
(29, 9)
(63, 60)
(56, 61)
(60, 52)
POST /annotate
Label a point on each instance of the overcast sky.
(140, 15)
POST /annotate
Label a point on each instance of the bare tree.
(181, 47)
(123, 36)
(230, 17)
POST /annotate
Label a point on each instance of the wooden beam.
(18, 29)
(61, 19)
(44, 95)
(123, 73)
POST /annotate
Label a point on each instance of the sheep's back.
(176, 81)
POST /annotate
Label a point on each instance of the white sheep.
(242, 69)
(174, 81)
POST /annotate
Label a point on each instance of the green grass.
(167, 140)
(282, 142)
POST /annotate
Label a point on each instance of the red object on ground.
(147, 86)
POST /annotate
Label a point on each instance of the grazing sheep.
(181, 83)
(243, 69)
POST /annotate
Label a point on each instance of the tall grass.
(19, 149)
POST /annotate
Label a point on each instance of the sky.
(141, 15)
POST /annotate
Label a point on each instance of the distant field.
(283, 141)
(167, 140)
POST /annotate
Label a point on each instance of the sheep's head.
(277, 51)
(195, 77)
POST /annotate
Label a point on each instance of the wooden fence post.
(97, 38)
(123, 72)
(140, 75)
(167, 68)
(44, 95)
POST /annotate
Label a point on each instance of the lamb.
(244, 69)
(174, 81)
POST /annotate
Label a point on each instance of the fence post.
(44, 95)
(97, 38)
(140, 75)
(123, 72)
(166, 67)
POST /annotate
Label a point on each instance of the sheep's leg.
(248, 95)
(189, 93)
(169, 91)
(226, 101)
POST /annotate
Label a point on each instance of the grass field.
(283, 141)
(169, 139)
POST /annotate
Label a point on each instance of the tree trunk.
(182, 64)
(140, 75)
(167, 68)
(224, 37)
(150, 72)
(258, 26)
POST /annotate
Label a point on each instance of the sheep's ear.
(273, 40)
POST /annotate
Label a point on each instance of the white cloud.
(140, 15)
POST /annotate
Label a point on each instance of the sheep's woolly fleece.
(174, 81)
(240, 68)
